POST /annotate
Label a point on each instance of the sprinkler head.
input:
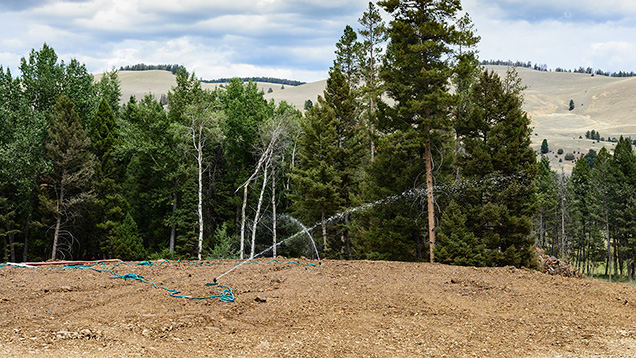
(319, 263)
(214, 280)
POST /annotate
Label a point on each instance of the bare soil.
(342, 309)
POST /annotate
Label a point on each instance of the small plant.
(223, 245)
(560, 151)
(569, 156)
(164, 254)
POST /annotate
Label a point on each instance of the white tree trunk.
(173, 229)
(58, 219)
(258, 212)
(200, 191)
(324, 230)
(274, 210)
(242, 249)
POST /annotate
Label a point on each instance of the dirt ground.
(342, 309)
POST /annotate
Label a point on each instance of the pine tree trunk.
(348, 238)
(11, 238)
(274, 210)
(430, 199)
(563, 248)
(27, 232)
(608, 267)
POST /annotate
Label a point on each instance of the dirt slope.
(342, 309)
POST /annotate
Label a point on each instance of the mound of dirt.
(342, 309)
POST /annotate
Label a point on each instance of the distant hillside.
(174, 68)
(259, 79)
(603, 104)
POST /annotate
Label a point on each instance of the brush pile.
(553, 266)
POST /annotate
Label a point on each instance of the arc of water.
(307, 230)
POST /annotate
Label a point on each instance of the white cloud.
(296, 38)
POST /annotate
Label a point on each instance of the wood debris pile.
(553, 266)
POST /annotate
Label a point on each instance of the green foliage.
(560, 151)
(71, 167)
(164, 254)
(348, 53)
(315, 180)
(457, 245)
(544, 147)
(308, 104)
(571, 107)
(499, 169)
(107, 212)
(108, 88)
(224, 244)
(569, 156)
(127, 244)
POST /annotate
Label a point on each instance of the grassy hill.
(603, 104)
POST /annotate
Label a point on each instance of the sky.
(295, 39)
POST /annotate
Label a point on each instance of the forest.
(442, 171)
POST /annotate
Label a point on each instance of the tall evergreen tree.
(546, 224)
(316, 181)
(603, 187)
(348, 53)
(340, 97)
(624, 163)
(498, 169)
(68, 181)
(423, 38)
(108, 209)
(373, 33)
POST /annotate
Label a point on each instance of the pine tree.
(316, 181)
(544, 147)
(417, 75)
(373, 33)
(624, 163)
(585, 241)
(498, 169)
(457, 245)
(603, 186)
(340, 97)
(545, 222)
(108, 208)
(72, 168)
(348, 53)
(126, 243)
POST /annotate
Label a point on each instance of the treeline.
(258, 79)
(544, 68)
(588, 218)
(443, 174)
(509, 63)
(175, 68)
(143, 67)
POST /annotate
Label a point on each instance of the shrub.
(569, 156)
(223, 245)
(560, 151)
